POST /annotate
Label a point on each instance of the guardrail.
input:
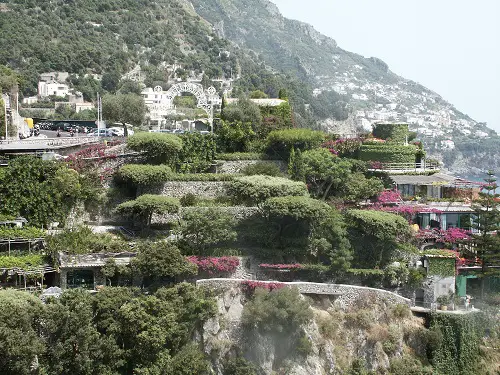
(417, 167)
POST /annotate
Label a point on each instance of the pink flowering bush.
(215, 265)
(389, 196)
(344, 146)
(452, 235)
(250, 285)
(281, 266)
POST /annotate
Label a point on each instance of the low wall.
(346, 294)
(236, 166)
(177, 189)
(238, 212)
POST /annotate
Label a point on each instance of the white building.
(52, 88)
(448, 144)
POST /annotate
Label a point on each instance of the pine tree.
(487, 224)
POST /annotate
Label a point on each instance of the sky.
(450, 46)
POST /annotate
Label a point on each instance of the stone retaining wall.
(236, 166)
(177, 189)
(238, 212)
(345, 294)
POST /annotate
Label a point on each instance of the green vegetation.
(24, 232)
(42, 191)
(376, 236)
(126, 109)
(262, 168)
(281, 142)
(256, 189)
(203, 229)
(144, 207)
(397, 133)
(144, 175)
(118, 331)
(197, 153)
(388, 153)
(82, 240)
(25, 262)
(159, 148)
(280, 311)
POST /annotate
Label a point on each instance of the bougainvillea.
(452, 235)
(213, 265)
(96, 154)
(389, 196)
(250, 285)
(343, 147)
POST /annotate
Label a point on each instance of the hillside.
(246, 42)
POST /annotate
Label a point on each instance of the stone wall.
(177, 189)
(236, 166)
(238, 212)
(346, 294)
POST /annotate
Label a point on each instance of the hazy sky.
(450, 46)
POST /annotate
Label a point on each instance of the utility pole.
(5, 114)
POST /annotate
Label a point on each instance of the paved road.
(53, 134)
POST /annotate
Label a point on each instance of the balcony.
(401, 168)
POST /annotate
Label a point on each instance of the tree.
(257, 94)
(146, 205)
(20, 344)
(160, 260)
(159, 148)
(8, 79)
(244, 111)
(124, 108)
(322, 170)
(202, 229)
(234, 137)
(487, 223)
(278, 311)
(281, 142)
(376, 236)
(73, 343)
(41, 191)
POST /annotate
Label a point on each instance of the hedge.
(256, 189)
(388, 153)
(392, 132)
(159, 147)
(281, 142)
(214, 177)
(143, 175)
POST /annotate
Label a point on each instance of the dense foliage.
(24, 232)
(281, 311)
(256, 189)
(281, 142)
(41, 191)
(197, 153)
(376, 236)
(160, 148)
(144, 207)
(118, 331)
(388, 153)
(397, 133)
(144, 175)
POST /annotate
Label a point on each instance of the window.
(80, 279)
(407, 190)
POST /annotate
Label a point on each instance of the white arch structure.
(195, 89)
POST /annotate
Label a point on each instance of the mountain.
(248, 43)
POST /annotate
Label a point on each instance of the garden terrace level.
(436, 186)
(402, 168)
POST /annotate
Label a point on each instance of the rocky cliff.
(365, 333)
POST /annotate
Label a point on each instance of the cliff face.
(367, 332)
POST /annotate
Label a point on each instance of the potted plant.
(443, 302)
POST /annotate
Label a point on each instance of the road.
(53, 134)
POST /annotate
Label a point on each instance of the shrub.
(82, 240)
(206, 228)
(144, 175)
(256, 189)
(197, 153)
(262, 168)
(25, 232)
(215, 265)
(206, 177)
(146, 205)
(281, 142)
(159, 147)
(389, 153)
(282, 310)
(303, 346)
(239, 366)
(391, 132)
(188, 200)
(25, 262)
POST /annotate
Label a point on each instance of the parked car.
(100, 133)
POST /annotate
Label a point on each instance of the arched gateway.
(205, 98)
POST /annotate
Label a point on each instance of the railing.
(57, 142)
(416, 167)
